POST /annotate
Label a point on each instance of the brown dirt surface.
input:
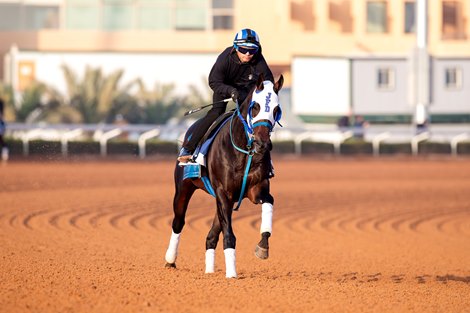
(350, 235)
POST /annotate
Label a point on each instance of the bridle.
(267, 118)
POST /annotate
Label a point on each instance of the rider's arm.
(218, 74)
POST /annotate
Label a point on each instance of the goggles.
(250, 50)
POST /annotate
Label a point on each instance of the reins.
(249, 152)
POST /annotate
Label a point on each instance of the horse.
(237, 166)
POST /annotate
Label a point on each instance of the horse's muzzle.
(262, 146)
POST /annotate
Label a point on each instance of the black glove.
(234, 95)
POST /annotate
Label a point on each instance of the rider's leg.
(199, 129)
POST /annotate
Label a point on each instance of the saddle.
(215, 125)
(198, 169)
(206, 141)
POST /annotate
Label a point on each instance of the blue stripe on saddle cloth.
(193, 170)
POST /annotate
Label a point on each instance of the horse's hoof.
(261, 253)
(170, 265)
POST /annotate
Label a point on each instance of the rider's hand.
(234, 95)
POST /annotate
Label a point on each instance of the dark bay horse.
(237, 166)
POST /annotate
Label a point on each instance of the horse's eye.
(254, 109)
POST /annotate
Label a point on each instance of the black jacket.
(229, 72)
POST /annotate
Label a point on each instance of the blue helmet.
(246, 38)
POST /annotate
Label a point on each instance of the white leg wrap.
(266, 218)
(230, 271)
(172, 251)
(210, 261)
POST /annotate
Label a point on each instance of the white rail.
(26, 139)
(102, 133)
(105, 137)
(416, 140)
(376, 142)
(455, 142)
(66, 137)
(143, 138)
(298, 141)
(337, 143)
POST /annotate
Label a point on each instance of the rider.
(233, 76)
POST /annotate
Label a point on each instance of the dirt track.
(349, 236)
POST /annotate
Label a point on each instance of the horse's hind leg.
(184, 191)
(211, 243)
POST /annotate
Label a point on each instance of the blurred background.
(370, 69)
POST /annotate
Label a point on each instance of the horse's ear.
(259, 83)
(278, 84)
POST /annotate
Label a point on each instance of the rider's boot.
(185, 155)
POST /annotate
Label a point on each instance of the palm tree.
(97, 97)
(7, 95)
(160, 104)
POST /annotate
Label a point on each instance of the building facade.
(362, 32)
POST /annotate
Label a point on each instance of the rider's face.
(244, 58)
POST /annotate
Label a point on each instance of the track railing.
(377, 135)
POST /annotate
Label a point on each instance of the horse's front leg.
(266, 228)
(224, 212)
(211, 243)
(260, 194)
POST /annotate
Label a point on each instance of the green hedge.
(51, 149)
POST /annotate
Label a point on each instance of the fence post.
(65, 138)
(416, 140)
(455, 142)
(143, 138)
(26, 138)
(337, 143)
(298, 142)
(107, 136)
(376, 142)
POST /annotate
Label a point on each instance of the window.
(190, 14)
(453, 78)
(9, 14)
(82, 17)
(22, 16)
(339, 13)
(453, 26)
(117, 14)
(222, 14)
(41, 17)
(385, 78)
(117, 17)
(154, 15)
(154, 18)
(410, 12)
(376, 16)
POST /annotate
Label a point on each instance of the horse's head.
(264, 111)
